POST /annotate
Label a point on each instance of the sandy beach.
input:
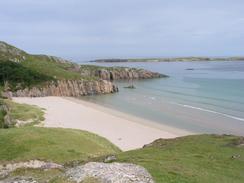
(124, 131)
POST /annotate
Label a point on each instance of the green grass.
(51, 144)
(22, 70)
(10, 52)
(44, 64)
(200, 158)
(25, 112)
(19, 77)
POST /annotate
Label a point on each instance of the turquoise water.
(207, 99)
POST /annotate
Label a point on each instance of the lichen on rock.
(110, 172)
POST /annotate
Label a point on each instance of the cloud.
(86, 29)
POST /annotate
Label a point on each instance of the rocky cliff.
(27, 75)
(118, 73)
(71, 88)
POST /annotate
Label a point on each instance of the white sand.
(73, 113)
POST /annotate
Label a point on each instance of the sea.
(201, 97)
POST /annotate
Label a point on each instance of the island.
(170, 59)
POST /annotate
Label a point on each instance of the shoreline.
(131, 118)
(125, 131)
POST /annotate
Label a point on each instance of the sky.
(83, 30)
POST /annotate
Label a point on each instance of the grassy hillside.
(200, 158)
(19, 77)
(51, 144)
(9, 52)
(23, 70)
(51, 67)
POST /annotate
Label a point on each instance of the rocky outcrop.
(19, 180)
(110, 172)
(7, 119)
(70, 88)
(5, 170)
(126, 73)
(9, 52)
(120, 73)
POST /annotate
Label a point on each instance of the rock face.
(70, 88)
(110, 172)
(117, 73)
(126, 73)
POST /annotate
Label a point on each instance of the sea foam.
(210, 111)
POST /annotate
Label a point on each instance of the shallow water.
(207, 99)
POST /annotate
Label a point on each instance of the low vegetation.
(16, 76)
(28, 114)
(19, 70)
(51, 67)
(51, 144)
(199, 158)
(14, 114)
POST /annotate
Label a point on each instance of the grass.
(20, 77)
(197, 158)
(10, 52)
(22, 70)
(200, 158)
(24, 112)
(44, 64)
(51, 144)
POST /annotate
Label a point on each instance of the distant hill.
(172, 59)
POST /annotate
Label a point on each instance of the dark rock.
(109, 158)
(130, 87)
